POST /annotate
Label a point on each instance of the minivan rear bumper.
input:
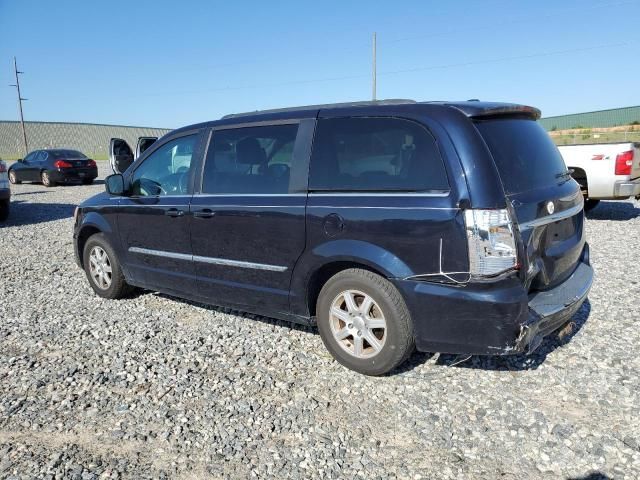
(491, 319)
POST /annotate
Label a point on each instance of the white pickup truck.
(605, 171)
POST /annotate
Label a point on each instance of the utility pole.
(374, 68)
(20, 100)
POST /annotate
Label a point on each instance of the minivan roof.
(469, 108)
(371, 103)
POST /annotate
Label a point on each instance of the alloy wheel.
(358, 324)
(100, 267)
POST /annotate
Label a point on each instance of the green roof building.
(602, 118)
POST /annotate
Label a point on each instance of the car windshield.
(57, 154)
(524, 154)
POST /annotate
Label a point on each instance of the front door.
(248, 226)
(153, 219)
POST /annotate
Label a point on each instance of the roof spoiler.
(475, 109)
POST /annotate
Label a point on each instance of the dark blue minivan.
(392, 225)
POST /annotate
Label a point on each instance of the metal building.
(91, 139)
(602, 118)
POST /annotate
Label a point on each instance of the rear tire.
(87, 181)
(590, 204)
(364, 322)
(103, 269)
(13, 178)
(46, 179)
(4, 209)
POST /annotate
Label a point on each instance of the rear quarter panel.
(396, 236)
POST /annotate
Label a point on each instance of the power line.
(395, 72)
(492, 27)
(375, 73)
(506, 59)
(526, 19)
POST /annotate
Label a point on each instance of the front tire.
(103, 269)
(13, 178)
(364, 322)
(46, 179)
(4, 209)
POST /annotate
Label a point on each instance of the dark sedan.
(54, 166)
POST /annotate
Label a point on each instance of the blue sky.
(168, 64)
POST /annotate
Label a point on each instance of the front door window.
(165, 171)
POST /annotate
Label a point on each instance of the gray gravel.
(154, 387)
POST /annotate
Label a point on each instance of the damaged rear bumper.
(491, 319)
(551, 309)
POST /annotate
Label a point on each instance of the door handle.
(204, 213)
(174, 212)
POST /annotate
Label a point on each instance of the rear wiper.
(568, 173)
(565, 176)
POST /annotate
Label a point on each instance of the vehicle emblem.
(551, 208)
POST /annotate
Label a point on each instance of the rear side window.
(375, 154)
(524, 154)
(250, 160)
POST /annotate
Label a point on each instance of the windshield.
(57, 154)
(524, 154)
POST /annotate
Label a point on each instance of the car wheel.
(87, 181)
(590, 204)
(4, 210)
(13, 178)
(364, 322)
(103, 269)
(46, 179)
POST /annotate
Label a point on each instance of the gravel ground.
(154, 387)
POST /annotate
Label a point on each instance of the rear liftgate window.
(375, 154)
(524, 154)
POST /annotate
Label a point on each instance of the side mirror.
(114, 184)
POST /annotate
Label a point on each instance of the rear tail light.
(492, 245)
(624, 162)
(91, 163)
(62, 164)
(3, 168)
